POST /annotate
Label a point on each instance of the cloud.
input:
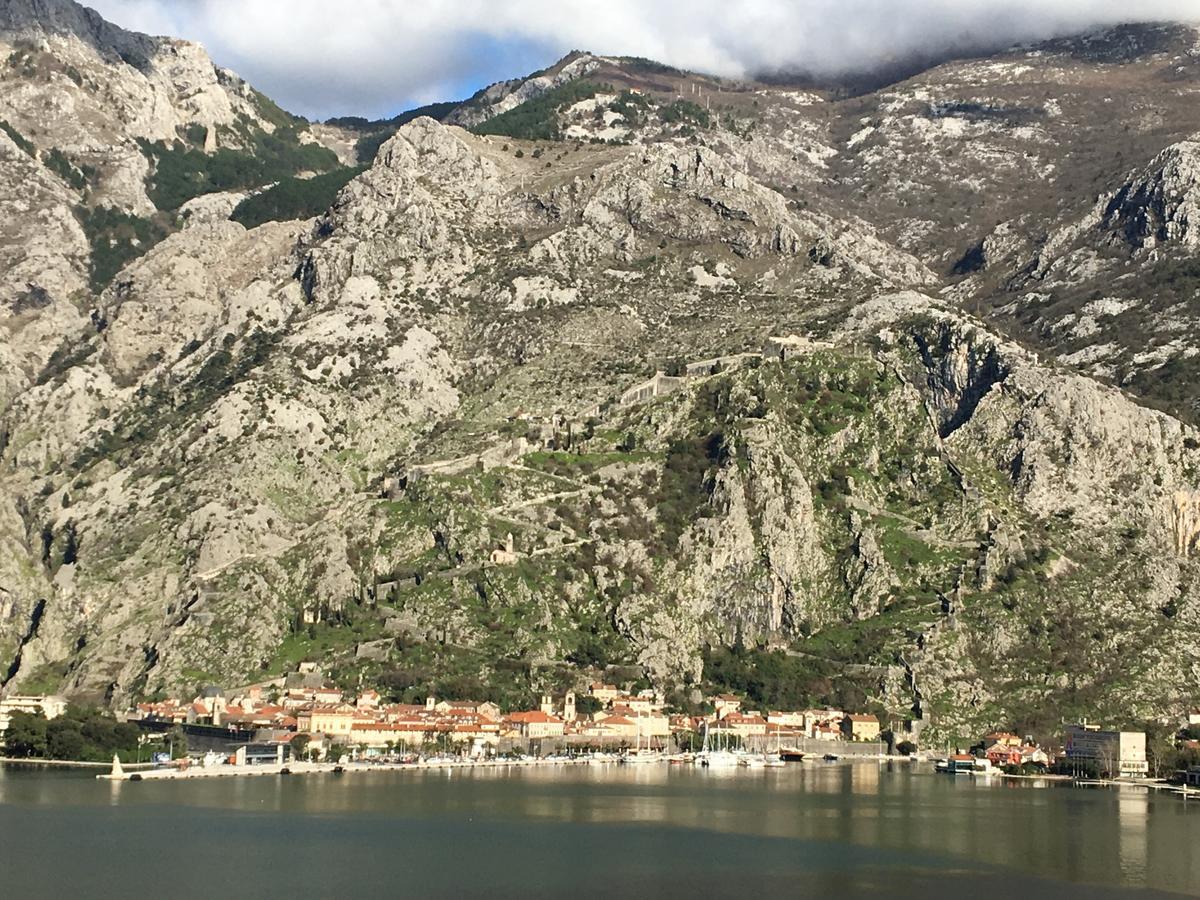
(375, 57)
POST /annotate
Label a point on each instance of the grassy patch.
(319, 642)
(773, 679)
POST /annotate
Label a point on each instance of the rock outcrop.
(1162, 203)
(1186, 519)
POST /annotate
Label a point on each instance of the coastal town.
(602, 719)
(304, 721)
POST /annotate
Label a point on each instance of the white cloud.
(375, 56)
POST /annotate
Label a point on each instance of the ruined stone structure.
(790, 346)
(705, 367)
(658, 386)
(506, 555)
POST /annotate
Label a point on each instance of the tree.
(586, 706)
(64, 739)
(177, 740)
(26, 735)
(889, 738)
(906, 748)
(71, 546)
(1161, 753)
(299, 745)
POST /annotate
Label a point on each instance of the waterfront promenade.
(325, 768)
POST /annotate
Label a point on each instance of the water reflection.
(1133, 814)
(1114, 837)
(864, 778)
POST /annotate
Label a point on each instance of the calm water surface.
(865, 830)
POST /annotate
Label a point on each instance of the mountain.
(420, 436)
(87, 112)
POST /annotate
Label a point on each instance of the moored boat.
(718, 759)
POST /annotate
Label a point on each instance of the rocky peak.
(506, 95)
(1161, 203)
(30, 19)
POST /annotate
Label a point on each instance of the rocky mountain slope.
(414, 437)
(104, 133)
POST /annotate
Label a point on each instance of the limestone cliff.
(252, 446)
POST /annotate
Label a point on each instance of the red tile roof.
(616, 720)
(532, 716)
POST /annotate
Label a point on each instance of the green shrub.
(687, 482)
(57, 162)
(18, 138)
(685, 112)
(182, 173)
(294, 198)
(632, 107)
(196, 134)
(116, 238)
(537, 119)
(270, 111)
(642, 65)
(162, 405)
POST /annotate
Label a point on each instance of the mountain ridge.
(312, 439)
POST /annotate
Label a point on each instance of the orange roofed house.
(326, 718)
(535, 724)
(742, 725)
(860, 727)
(725, 704)
(605, 693)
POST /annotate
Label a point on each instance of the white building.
(50, 706)
(1118, 753)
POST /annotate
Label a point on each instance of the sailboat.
(715, 759)
(637, 754)
(774, 760)
(764, 760)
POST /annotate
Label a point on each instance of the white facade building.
(50, 706)
(1118, 753)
